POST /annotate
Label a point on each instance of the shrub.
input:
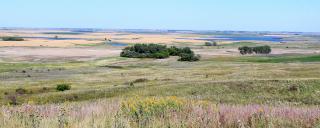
(186, 50)
(189, 57)
(130, 54)
(186, 54)
(210, 43)
(8, 38)
(131, 84)
(21, 91)
(161, 55)
(140, 80)
(214, 44)
(174, 51)
(63, 87)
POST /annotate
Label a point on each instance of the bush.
(63, 87)
(140, 80)
(186, 50)
(186, 54)
(174, 51)
(8, 38)
(161, 55)
(257, 50)
(210, 43)
(189, 57)
(214, 44)
(21, 91)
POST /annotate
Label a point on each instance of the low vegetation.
(159, 52)
(11, 38)
(257, 50)
(282, 59)
(189, 57)
(210, 43)
(157, 112)
(21, 91)
(63, 87)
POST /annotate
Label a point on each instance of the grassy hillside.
(217, 91)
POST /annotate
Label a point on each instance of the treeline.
(159, 52)
(11, 38)
(257, 50)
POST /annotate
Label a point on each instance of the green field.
(254, 79)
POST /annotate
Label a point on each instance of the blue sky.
(252, 15)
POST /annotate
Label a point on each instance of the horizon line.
(199, 30)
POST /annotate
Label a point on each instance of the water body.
(244, 38)
(253, 38)
(117, 44)
(53, 38)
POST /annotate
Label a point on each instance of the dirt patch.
(38, 53)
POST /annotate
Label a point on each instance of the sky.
(237, 15)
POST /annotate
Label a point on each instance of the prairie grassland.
(221, 90)
(157, 112)
(223, 79)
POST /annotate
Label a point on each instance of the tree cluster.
(9, 38)
(159, 52)
(257, 50)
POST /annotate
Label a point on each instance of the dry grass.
(93, 38)
(157, 112)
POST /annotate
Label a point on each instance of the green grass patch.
(267, 59)
(9, 67)
(281, 59)
(239, 44)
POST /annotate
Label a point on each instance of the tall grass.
(156, 112)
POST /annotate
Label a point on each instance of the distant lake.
(244, 38)
(117, 44)
(52, 38)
